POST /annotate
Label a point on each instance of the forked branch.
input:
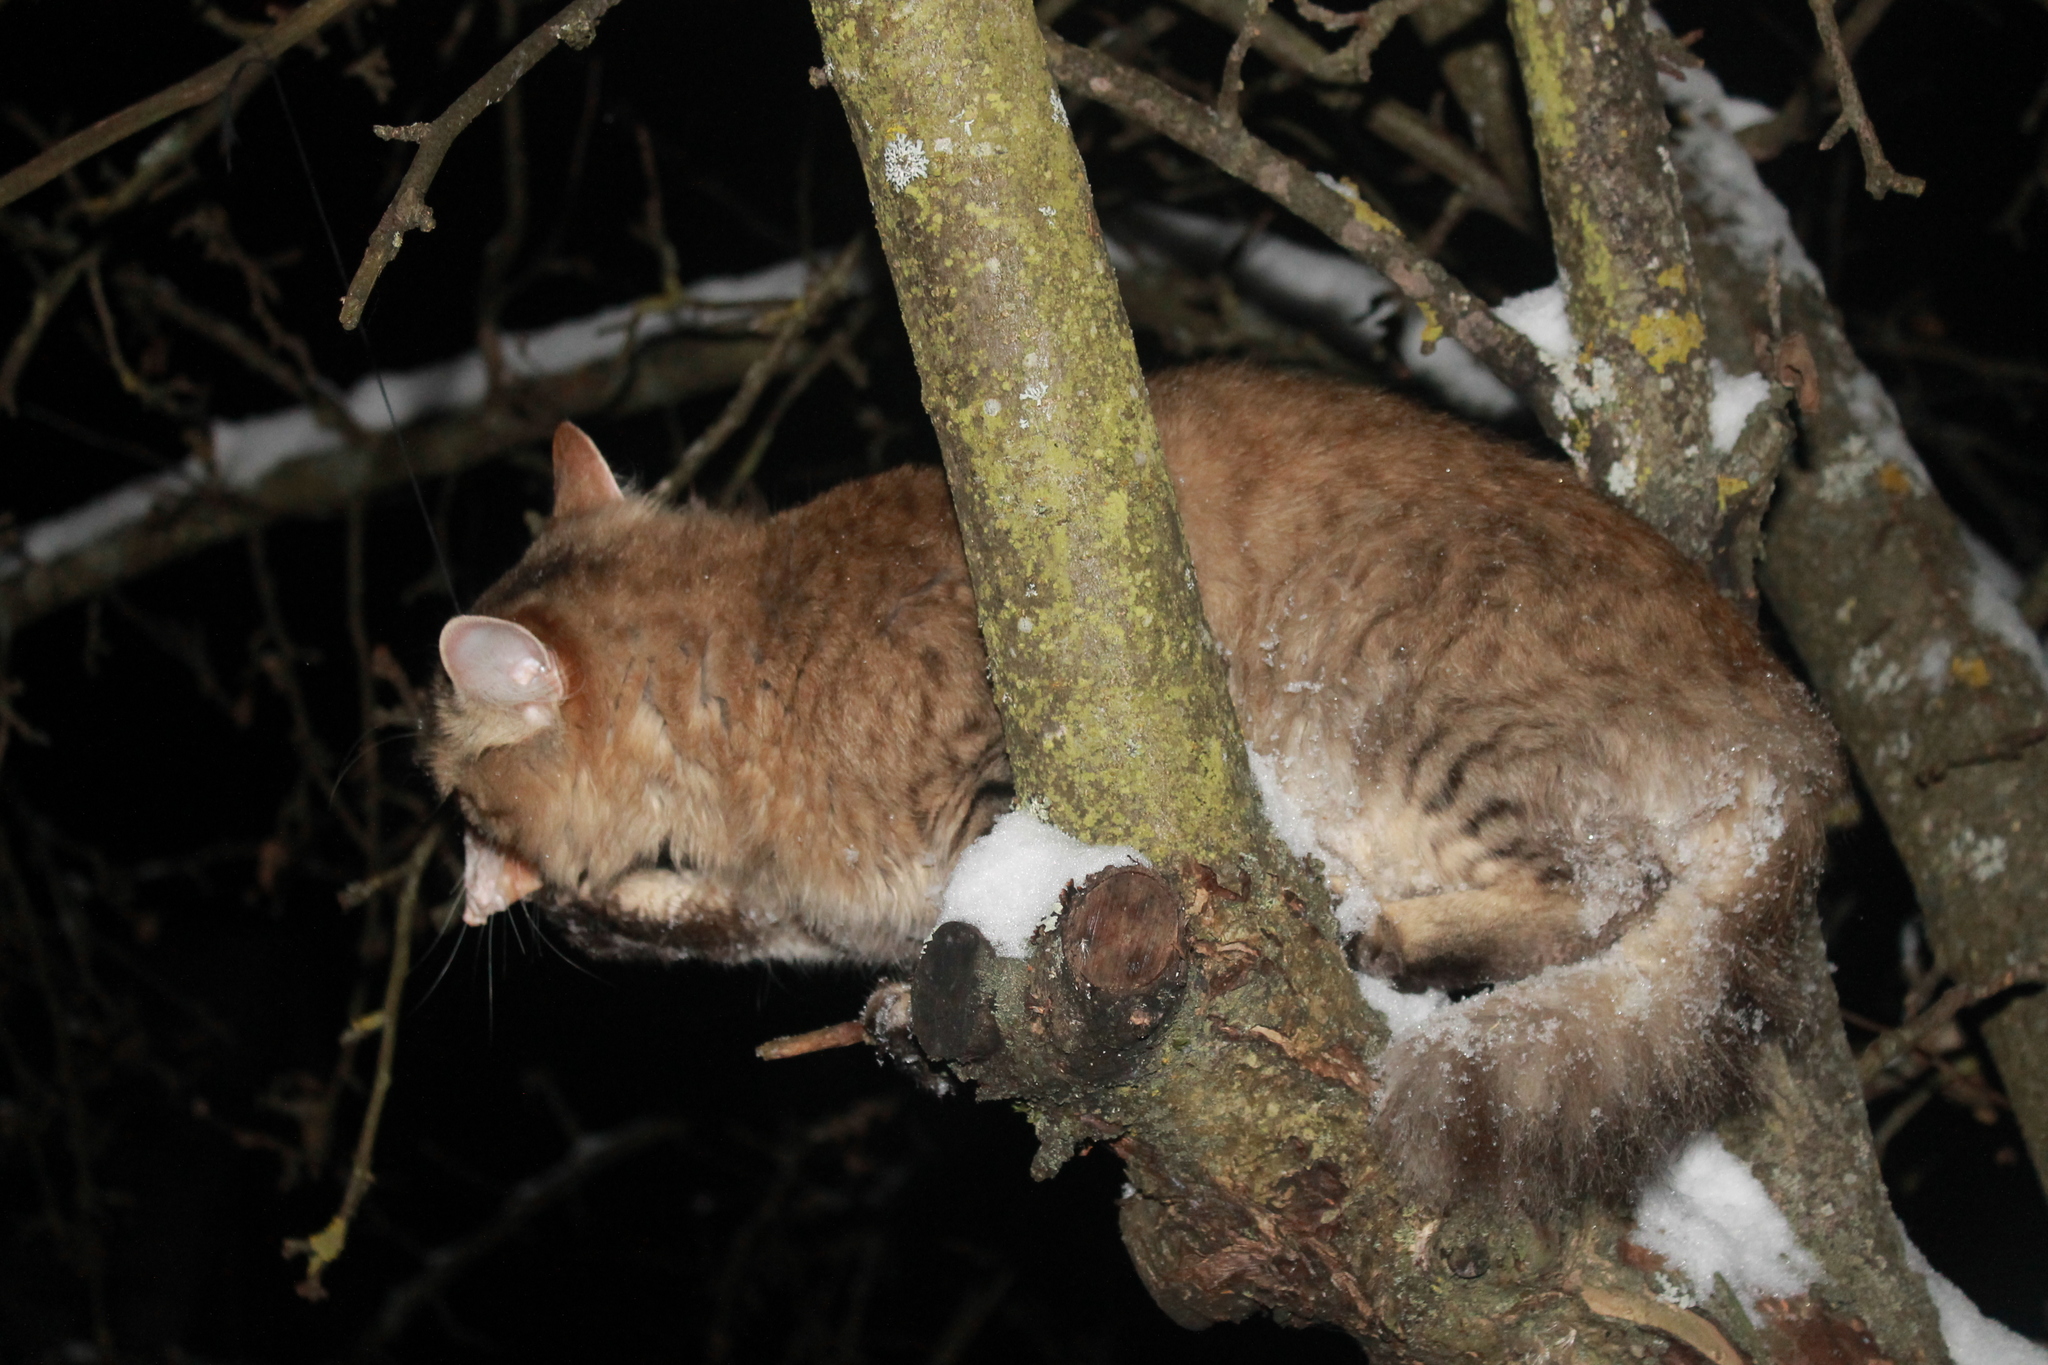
(576, 25)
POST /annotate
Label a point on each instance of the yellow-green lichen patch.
(1666, 338)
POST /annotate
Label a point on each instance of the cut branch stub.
(1123, 930)
(1094, 991)
(1120, 970)
(951, 1014)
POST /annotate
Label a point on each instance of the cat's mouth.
(492, 879)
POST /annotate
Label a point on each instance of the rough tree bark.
(1113, 699)
(1636, 298)
(1631, 290)
(1197, 1018)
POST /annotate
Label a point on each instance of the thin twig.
(242, 68)
(817, 1040)
(826, 288)
(1889, 1047)
(653, 227)
(1469, 173)
(1327, 206)
(493, 291)
(1878, 176)
(164, 297)
(1373, 23)
(84, 1235)
(1233, 65)
(837, 350)
(43, 305)
(324, 1247)
(164, 398)
(576, 25)
(588, 1155)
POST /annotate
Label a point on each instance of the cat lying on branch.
(1529, 737)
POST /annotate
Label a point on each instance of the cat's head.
(502, 737)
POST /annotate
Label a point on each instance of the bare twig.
(1232, 85)
(1890, 1047)
(174, 399)
(653, 227)
(826, 288)
(43, 305)
(1373, 24)
(79, 1236)
(588, 1155)
(324, 1247)
(1878, 176)
(1328, 206)
(817, 1040)
(1290, 48)
(165, 298)
(1427, 142)
(239, 69)
(576, 25)
(279, 663)
(836, 350)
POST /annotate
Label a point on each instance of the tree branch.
(1920, 661)
(1878, 175)
(1337, 212)
(1631, 291)
(1033, 386)
(186, 511)
(324, 1247)
(242, 68)
(576, 25)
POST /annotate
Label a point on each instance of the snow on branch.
(291, 462)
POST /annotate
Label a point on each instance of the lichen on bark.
(1113, 698)
(1631, 289)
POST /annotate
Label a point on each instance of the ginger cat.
(1536, 750)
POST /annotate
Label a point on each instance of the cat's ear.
(501, 663)
(583, 481)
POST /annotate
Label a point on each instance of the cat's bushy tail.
(1576, 1081)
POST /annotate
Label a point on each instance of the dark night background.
(174, 970)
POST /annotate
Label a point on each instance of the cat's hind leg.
(1503, 932)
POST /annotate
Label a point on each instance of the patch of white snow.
(1540, 316)
(1008, 882)
(1735, 397)
(1972, 1338)
(1406, 1011)
(1707, 1215)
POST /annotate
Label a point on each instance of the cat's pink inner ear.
(583, 481)
(499, 662)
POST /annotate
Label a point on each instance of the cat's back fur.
(1533, 746)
